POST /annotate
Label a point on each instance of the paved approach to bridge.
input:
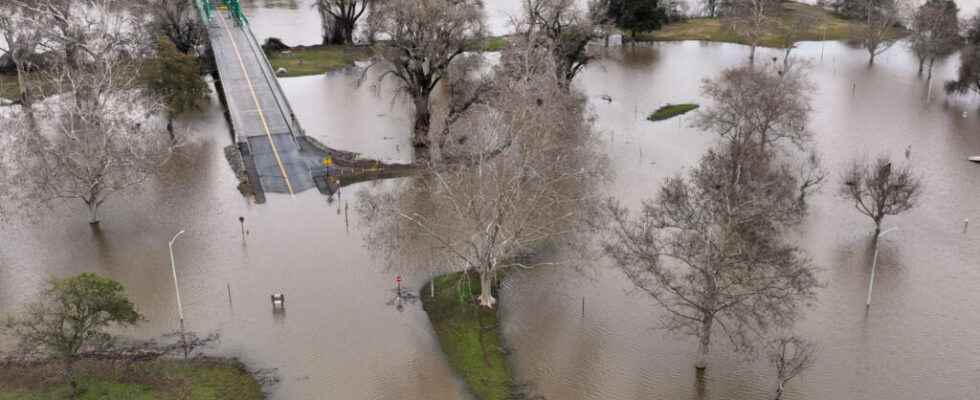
(266, 130)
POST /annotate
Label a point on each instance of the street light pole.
(874, 267)
(180, 307)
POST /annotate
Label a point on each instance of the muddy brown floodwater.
(339, 338)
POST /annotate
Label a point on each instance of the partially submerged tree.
(96, 136)
(338, 19)
(790, 356)
(880, 22)
(635, 16)
(880, 189)
(74, 315)
(175, 79)
(751, 20)
(518, 186)
(968, 77)
(711, 249)
(424, 37)
(176, 20)
(791, 30)
(562, 28)
(935, 32)
(758, 105)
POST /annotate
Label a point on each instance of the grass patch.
(671, 110)
(496, 43)
(469, 335)
(9, 89)
(827, 26)
(317, 60)
(200, 379)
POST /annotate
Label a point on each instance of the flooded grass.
(9, 89)
(469, 335)
(671, 110)
(317, 60)
(826, 26)
(204, 379)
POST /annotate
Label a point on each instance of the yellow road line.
(258, 105)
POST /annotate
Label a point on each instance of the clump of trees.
(711, 248)
(880, 188)
(635, 16)
(175, 78)
(564, 30)
(935, 32)
(73, 316)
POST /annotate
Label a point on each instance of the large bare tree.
(339, 18)
(424, 38)
(711, 249)
(880, 21)
(751, 20)
(176, 20)
(518, 186)
(22, 35)
(935, 32)
(96, 136)
(565, 30)
(880, 188)
(790, 355)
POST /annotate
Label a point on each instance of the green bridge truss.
(207, 9)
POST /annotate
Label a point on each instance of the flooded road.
(339, 339)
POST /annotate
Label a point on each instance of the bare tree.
(339, 19)
(517, 191)
(880, 189)
(22, 35)
(96, 137)
(790, 356)
(810, 174)
(561, 27)
(176, 20)
(761, 106)
(424, 38)
(881, 19)
(751, 20)
(935, 32)
(711, 250)
(791, 30)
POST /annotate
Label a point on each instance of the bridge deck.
(260, 114)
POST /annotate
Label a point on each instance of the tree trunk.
(932, 61)
(25, 99)
(752, 54)
(486, 289)
(704, 341)
(871, 59)
(70, 379)
(170, 126)
(423, 120)
(779, 391)
(922, 62)
(93, 209)
(786, 58)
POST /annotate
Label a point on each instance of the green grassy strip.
(9, 89)
(671, 110)
(469, 335)
(826, 26)
(317, 60)
(207, 379)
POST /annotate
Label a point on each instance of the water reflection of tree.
(516, 191)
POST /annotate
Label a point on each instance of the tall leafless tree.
(758, 105)
(935, 32)
(96, 136)
(790, 355)
(880, 21)
(22, 36)
(751, 20)
(880, 189)
(791, 29)
(711, 250)
(518, 186)
(339, 19)
(176, 20)
(424, 38)
(565, 30)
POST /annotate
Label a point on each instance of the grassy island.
(671, 110)
(469, 335)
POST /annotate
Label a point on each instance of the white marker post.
(874, 267)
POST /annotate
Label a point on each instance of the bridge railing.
(204, 7)
(280, 95)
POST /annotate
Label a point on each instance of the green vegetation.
(827, 26)
(201, 379)
(8, 87)
(317, 60)
(469, 335)
(495, 43)
(671, 110)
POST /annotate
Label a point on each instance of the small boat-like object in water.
(975, 159)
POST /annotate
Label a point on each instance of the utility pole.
(874, 266)
(180, 307)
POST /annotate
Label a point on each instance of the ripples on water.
(339, 339)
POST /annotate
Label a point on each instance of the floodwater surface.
(340, 339)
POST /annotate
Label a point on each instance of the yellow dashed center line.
(258, 105)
